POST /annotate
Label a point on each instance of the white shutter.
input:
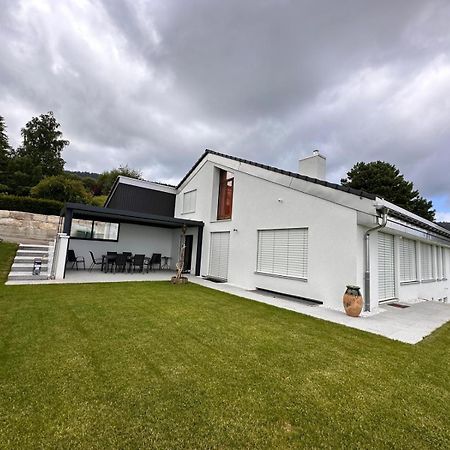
(218, 255)
(439, 263)
(444, 262)
(386, 266)
(283, 252)
(408, 260)
(426, 261)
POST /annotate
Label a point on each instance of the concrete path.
(409, 325)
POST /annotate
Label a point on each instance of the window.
(283, 252)
(189, 200)
(225, 204)
(93, 229)
(439, 263)
(444, 263)
(408, 262)
(386, 266)
(426, 261)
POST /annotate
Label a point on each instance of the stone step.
(19, 276)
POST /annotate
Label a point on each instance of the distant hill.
(83, 174)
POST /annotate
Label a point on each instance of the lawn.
(151, 365)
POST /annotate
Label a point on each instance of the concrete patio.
(409, 325)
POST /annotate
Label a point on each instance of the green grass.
(151, 365)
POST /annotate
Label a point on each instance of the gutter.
(384, 215)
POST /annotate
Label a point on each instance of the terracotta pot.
(353, 301)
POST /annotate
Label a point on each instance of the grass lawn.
(151, 365)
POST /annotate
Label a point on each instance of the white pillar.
(60, 255)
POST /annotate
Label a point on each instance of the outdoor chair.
(120, 263)
(138, 261)
(154, 260)
(95, 262)
(72, 258)
(129, 259)
(110, 260)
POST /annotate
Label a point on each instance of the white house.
(259, 227)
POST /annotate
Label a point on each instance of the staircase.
(22, 268)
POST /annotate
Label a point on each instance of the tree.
(5, 148)
(385, 180)
(61, 188)
(42, 144)
(106, 179)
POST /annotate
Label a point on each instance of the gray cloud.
(152, 84)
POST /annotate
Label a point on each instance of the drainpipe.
(384, 216)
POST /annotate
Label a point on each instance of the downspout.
(384, 216)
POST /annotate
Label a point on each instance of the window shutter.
(218, 255)
(189, 200)
(283, 252)
(426, 261)
(408, 261)
(386, 266)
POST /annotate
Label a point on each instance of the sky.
(152, 84)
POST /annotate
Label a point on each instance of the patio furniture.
(129, 259)
(109, 259)
(72, 258)
(120, 263)
(165, 262)
(155, 259)
(138, 261)
(95, 262)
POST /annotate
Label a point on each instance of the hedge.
(30, 204)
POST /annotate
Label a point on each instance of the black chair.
(121, 263)
(138, 261)
(110, 260)
(72, 258)
(154, 260)
(129, 259)
(95, 262)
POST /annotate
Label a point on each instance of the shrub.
(61, 188)
(30, 204)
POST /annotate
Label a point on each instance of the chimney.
(314, 166)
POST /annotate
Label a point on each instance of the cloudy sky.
(153, 83)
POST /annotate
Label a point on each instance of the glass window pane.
(81, 229)
(106, 230)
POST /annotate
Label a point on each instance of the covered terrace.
(101, 230)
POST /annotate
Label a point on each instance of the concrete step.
(26, 267)
(31, 247)
(35, 253)
(19, 276)
(29, 259)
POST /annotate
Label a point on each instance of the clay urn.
(353, 301)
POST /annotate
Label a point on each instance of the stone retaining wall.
(18, 225)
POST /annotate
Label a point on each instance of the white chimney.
(314, 166)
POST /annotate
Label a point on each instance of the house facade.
(293, 232)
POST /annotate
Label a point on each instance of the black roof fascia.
(79, 209)
(335, 186)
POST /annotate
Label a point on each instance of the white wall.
(332, 236)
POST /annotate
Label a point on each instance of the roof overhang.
(88, 212)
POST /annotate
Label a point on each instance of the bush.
(30, 204)
(61, 188)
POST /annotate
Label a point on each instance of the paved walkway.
(409, 325)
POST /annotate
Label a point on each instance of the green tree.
(61, 188)
(5, 149)
(43, 144)
(106, 179)
(386, 181)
